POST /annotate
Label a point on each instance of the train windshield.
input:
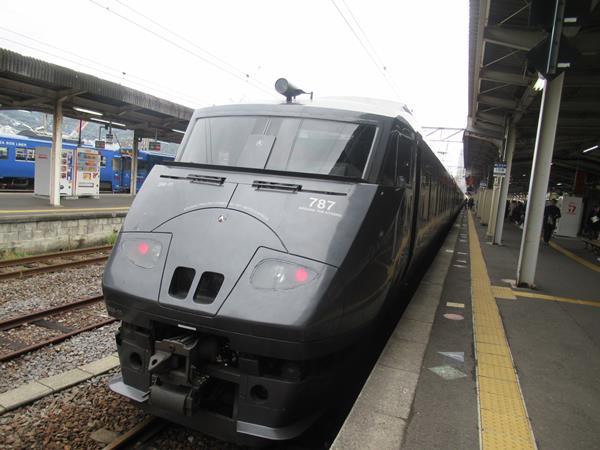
(287, 144)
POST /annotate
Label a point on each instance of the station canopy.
(34, 85)
(506, 37)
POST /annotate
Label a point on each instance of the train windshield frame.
(300, 145)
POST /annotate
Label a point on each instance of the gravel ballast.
(21, 295)
(55, 359)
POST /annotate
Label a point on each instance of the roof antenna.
(287, 89)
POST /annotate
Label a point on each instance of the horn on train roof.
(287, 89)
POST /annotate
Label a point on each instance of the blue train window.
(3, 153)
(30, 154)
(21, 154)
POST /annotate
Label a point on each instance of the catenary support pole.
(56, 154)
(538, 186)
(134, 164)
(510, 149)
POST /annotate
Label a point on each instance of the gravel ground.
(52, 360)
(68, 420)
(42, 291)
(175, 436)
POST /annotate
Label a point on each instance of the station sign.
(108, 138)
(99, 144)
(154, 146)
(499, 169)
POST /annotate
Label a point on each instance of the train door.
(405, 184)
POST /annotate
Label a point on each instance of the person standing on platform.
(594, 223)
(470, 203)
(551, 215)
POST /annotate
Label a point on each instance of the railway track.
(50, 262)
(48, 326)
(137, 436)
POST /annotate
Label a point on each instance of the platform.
(503, 367)
(25, 206)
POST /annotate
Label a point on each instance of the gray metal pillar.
(538, 186)
(134, 164)
(510, 149)
(56, 154)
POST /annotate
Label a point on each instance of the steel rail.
(54, 340)
(15, 322)
(50, 268)
(46, 256)
(142, 431)
(36, 315)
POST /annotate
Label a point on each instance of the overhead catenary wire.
(192, 43)
(372, 47)
(181, 47)
(128, 77)
(380, 68)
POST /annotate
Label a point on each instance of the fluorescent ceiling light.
(87, 111)
(539, 84)
(108, 122)
(590, 149)
(177, 131)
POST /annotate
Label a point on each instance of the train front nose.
(209, 251)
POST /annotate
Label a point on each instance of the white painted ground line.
(28, 393)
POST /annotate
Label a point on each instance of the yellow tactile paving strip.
(503, 420)
(551, 298)
(574, 257)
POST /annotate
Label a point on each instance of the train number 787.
(321, 203)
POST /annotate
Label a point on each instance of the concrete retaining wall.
(43, 234)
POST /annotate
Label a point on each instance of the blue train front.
(246, 267)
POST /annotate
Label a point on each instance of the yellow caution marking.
(503, 420)
(61, 211)
(574, 257)
(551, 298)
(503, 292)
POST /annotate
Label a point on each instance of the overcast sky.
(422, 45)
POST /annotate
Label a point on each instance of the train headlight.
(281, 275)
(142, 252)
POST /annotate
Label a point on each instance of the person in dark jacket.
(551, 215)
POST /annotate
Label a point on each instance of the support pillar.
(134, 164)
(510, 149)
(538, 186)
(493, 207)
(56, 154)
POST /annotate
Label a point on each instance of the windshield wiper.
(287, 187)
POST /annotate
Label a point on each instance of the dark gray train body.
(267, 248)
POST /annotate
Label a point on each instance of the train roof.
(355, 105)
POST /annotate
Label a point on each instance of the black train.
(268, 247)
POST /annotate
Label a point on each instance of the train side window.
(102, 161)
(116, 164)
(405, 157)
(21, 154)
(3, 152)
(388, 169)
(31, 154)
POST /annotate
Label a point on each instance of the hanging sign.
(499, 169)
(154, 146)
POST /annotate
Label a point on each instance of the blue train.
(17, 160)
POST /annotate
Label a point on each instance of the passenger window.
(30, 154)
(116, 164)
(21, 154)
(405, 155)
(102, 161)
(3, 152)
(388, 169)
